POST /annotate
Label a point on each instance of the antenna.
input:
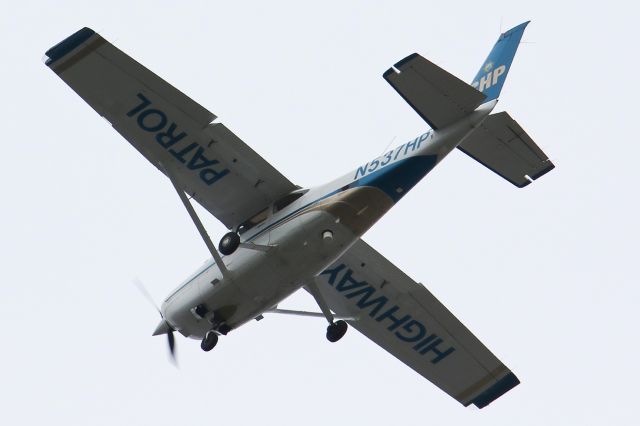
(388, 145)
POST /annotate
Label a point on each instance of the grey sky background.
(545, 276)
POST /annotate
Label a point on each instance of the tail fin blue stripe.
(493, 73)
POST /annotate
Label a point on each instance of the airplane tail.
(441, 99)
(493, 72)
(500, 144)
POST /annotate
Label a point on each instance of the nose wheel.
(209, 342)
(336, 330)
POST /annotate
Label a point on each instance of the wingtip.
(67, 45)
(501, 387)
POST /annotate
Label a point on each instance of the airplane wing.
(173, 132)
(404, 318)
(439, 97)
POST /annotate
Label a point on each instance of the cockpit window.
(255, 220)
(287, 199)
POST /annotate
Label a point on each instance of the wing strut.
(196, 221)
(309, 314)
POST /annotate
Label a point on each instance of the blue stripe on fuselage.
(282, 219)
(403, 174)
(398, 178)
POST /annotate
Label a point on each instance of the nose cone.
(162, 328)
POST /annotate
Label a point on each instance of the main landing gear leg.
(336, 329)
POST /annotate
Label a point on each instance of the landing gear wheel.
(336, 330)
(229, 243)
(209, 341)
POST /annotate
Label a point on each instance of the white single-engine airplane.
(283, 237)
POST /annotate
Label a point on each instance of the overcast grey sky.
(545, 276)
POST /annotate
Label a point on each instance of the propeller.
(163, 327)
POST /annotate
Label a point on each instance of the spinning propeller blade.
(145, 293)
(172, 346)
(164, 327)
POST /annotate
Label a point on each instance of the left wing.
(172, 131)
(404, 318)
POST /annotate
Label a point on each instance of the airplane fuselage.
(289, 247)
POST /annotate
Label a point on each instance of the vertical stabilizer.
(493, 73)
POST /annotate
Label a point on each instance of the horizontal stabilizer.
(501, 145)
(437, 96)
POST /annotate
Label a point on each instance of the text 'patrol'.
(167, 135)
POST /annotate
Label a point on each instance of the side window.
(287, 199)
(255, 220)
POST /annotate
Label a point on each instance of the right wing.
(173, 132)
(501, 145)
(439, 97)
(405, 319)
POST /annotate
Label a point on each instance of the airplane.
(283, 237)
